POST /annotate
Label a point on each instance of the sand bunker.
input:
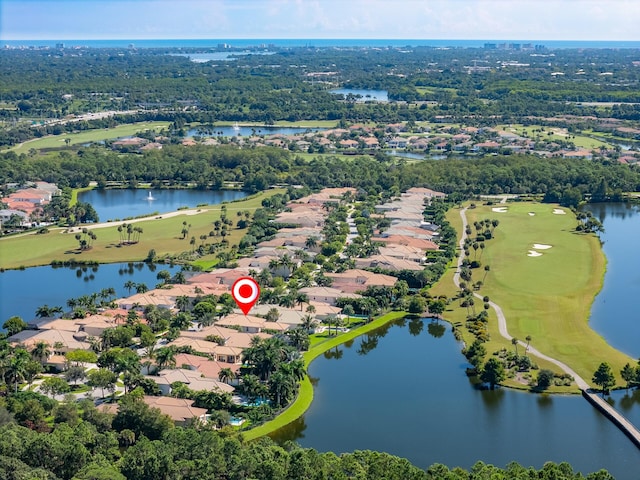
(533, 253)
(531, 214)
(500, 209)
(559, 211)
(541, 246)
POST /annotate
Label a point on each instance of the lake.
(402, 390)
(614, 311)
(124, 203)
(217, 56)
(365, 94)
(247, 131)
(23, 291)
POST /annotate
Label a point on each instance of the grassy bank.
(161, 234)
(305, 394)
(75, 192)
(548, 296)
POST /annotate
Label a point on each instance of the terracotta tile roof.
(179, 409)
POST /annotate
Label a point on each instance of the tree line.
(82, 442)
(558, 179)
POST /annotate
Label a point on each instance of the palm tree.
(287, 301)
(165, 357)
(331, 319)
(487, 269)
(514, 342)
(308, 323)
(282, 387)
(129, 285)
(183, 302)
(41, 352)
(17, 366)
(43, 311)
(287, 263)
(528, 339)
(311, 242)
(226, 375)
(348, 311)
(302, 298)
(273, 315)
(129, 232)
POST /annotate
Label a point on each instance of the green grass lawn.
(58, 141)
(305, 394)
(579, 140)
(163, 235)
(548, 297)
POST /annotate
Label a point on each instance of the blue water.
(23, 291)
(377, 95)
(215, 131)
(404, 391)
(217, 56)
(324, 42)
(121, 204)
(614, 313)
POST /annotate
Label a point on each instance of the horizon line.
(323, 38)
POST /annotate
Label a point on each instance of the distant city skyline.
(320, 19)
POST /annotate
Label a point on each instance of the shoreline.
(304, 398)
(30, 249)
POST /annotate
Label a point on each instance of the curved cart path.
(605, 408)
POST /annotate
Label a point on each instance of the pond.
(614, 310)
(247, 131)
(363, 95)
(23, 291)
(127, 203)
(403, 390)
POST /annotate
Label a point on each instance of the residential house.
(191, 378)
(219, 276)
(250, 323)
(407, 241)
(180, 410)
(387, 263)
(219, 353)
(207, 368)
(355, 280)
(326, 294)
(60, 341)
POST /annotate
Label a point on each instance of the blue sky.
(392, 19)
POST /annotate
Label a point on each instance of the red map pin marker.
(245, 292)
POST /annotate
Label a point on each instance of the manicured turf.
(163, 235)
(305, 394)
(548, 297)
(58, 141)
(532, 131)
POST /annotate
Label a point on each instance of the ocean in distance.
(319, 42)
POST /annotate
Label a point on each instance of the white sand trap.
(531, 214)
(559, 211)
(533, 253)
(541, 246)
(500, 209)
